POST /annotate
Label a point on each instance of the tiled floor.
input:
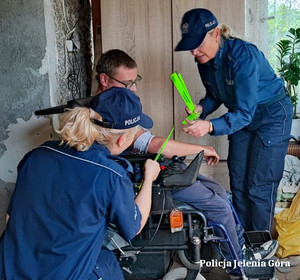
(220, 174)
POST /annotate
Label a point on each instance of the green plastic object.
(164, 144)
(184, 93)
(161, 150)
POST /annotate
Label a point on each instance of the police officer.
(236, 73)
(68, 191)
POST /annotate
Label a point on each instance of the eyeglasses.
(130, 84)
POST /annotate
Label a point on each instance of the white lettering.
(132, 121)
(244, 263)
(216, 263)
(278, 263)
(209, 24)
(202, 262)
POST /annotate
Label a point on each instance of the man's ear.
(103, 79)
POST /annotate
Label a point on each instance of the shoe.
(265, 251)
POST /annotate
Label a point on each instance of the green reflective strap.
(161, 150)
(192, 117)
(186, 97)
(164, 145)
(182, 89)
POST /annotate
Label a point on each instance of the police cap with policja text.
(194, 26)
(120, 108)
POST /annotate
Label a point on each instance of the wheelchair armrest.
(186, 177)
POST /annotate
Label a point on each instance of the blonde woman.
(237, 74)
(68, 191)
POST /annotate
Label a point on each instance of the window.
(282, 15)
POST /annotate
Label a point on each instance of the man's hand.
(197, 128)
(211, 155)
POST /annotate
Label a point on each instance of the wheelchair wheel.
(208, 252)
(179, 274)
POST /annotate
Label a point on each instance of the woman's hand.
(151, 170)
(197, 128)
(197, 109)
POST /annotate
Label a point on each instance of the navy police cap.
(120, 108)
(194, 26)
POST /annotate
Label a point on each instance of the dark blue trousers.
(211, 198)
(256, 163)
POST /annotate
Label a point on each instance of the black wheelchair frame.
(151, 254)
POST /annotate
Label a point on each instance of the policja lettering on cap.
(209, 24)
(132, 121)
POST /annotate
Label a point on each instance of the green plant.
(289, 58)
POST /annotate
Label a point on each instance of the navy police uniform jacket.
(241, 78)
(60, 210)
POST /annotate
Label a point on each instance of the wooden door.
(143, 29)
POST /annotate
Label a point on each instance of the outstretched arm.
(183, 149)
(146, 142)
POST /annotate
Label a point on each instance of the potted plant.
(289, 69)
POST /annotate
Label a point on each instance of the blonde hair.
(77, 131)
(225, 32)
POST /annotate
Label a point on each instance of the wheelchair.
(176, 230)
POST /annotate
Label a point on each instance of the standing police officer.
(235, 73)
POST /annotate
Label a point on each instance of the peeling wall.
(34, 74)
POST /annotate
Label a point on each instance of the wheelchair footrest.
(257, 238)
